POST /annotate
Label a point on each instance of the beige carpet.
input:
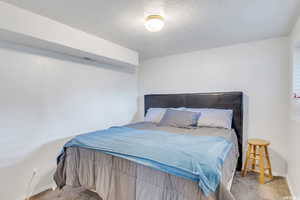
(243, 188)
(248, 188)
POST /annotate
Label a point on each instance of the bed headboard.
(222, 100)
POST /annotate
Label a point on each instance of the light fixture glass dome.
(154, 23)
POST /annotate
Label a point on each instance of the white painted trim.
(291, 188)
(21, 198)
(43, 188)
(279, 174)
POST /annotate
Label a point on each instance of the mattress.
(115, 178)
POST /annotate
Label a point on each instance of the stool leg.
(254, 155)
(247, 159)
(261, 165)
(268, 162)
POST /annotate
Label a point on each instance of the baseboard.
(289, 184)
(21, 198)
(43, 188)
(291, 188)
(279, 174)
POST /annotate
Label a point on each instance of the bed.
(115, 177)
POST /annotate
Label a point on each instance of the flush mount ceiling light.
(154, 23)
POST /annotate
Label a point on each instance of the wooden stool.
(255, 145)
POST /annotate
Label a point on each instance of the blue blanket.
(198, 158)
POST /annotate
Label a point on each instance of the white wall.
(25, 27)
(259, 69)
(45, 98)
(294, 138)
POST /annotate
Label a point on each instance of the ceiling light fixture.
(154, 23)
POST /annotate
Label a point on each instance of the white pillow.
(221, 118)
(156, 114)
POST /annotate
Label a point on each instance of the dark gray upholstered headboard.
(222, 100)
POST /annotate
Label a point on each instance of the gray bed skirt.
(115, 178)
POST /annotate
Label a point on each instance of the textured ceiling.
(190, 24)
